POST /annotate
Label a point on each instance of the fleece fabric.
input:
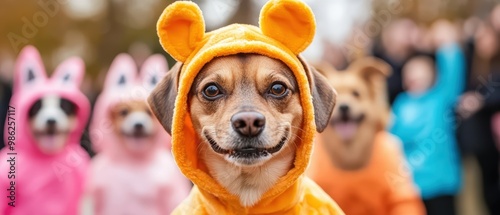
(383, 187)
(45, 184)
(121, 182)
(426, 125)
(286, 29)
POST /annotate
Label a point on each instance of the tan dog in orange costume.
(355, 160)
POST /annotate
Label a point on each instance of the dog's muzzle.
(248, 124)
(346, 116)
(247, 151)
(248, 147)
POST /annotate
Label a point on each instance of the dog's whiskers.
(297, 127)
(201, 147)
(284, 129)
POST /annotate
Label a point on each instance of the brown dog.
(243, 109)
(264, 112)
(355, 160)
(246, 110)
(362, 111)
(133, 121)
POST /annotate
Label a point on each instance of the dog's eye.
(124, 112)
(355, 93)
(68, 107)
(35, 108)
(278, 90)
(211, 91)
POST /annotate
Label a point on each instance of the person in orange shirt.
(355, 161)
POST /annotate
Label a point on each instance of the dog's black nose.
(51, 122)
(248, 124)
(344, 108)
(138, 126)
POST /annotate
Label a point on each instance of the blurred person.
(424, 120)
(133, 171)
(478, 103)
(355, 153)
(88, 88)
(422, 40)
(5, 95)
(45, 164)
(6, 65)
(395, 47)
(494, 18)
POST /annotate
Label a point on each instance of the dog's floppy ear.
(122, 73)
(162, 99)
(180, 28)
(290, 22)
(153, 70)
(375, 72)
(324, 96)
(71, 71)
(29, 69)
(371, 67)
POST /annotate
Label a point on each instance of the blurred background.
(97, 30)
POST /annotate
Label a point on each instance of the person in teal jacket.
(424, 121)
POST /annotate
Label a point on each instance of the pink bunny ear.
(29, 69)
(122, 72)
(71, 71)
(153, 70)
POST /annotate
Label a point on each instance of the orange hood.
(286, 29)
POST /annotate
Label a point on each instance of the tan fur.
(117, 112)
(247, 182)
(120, 115)
(245, 80)
(362, 88)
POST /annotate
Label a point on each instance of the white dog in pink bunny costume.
(133, 172)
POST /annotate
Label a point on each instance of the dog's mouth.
(346, 126)
(50, 132)
(51, 140)
(247, 151)
(136, 135)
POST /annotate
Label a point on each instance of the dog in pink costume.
(131, 175)
(36, 181)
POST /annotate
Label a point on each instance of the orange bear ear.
(290, 22)
(180, 28)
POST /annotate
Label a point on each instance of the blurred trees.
(427, 11)
(93, 29)
(97, 30)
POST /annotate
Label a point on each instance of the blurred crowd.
(413, 48)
